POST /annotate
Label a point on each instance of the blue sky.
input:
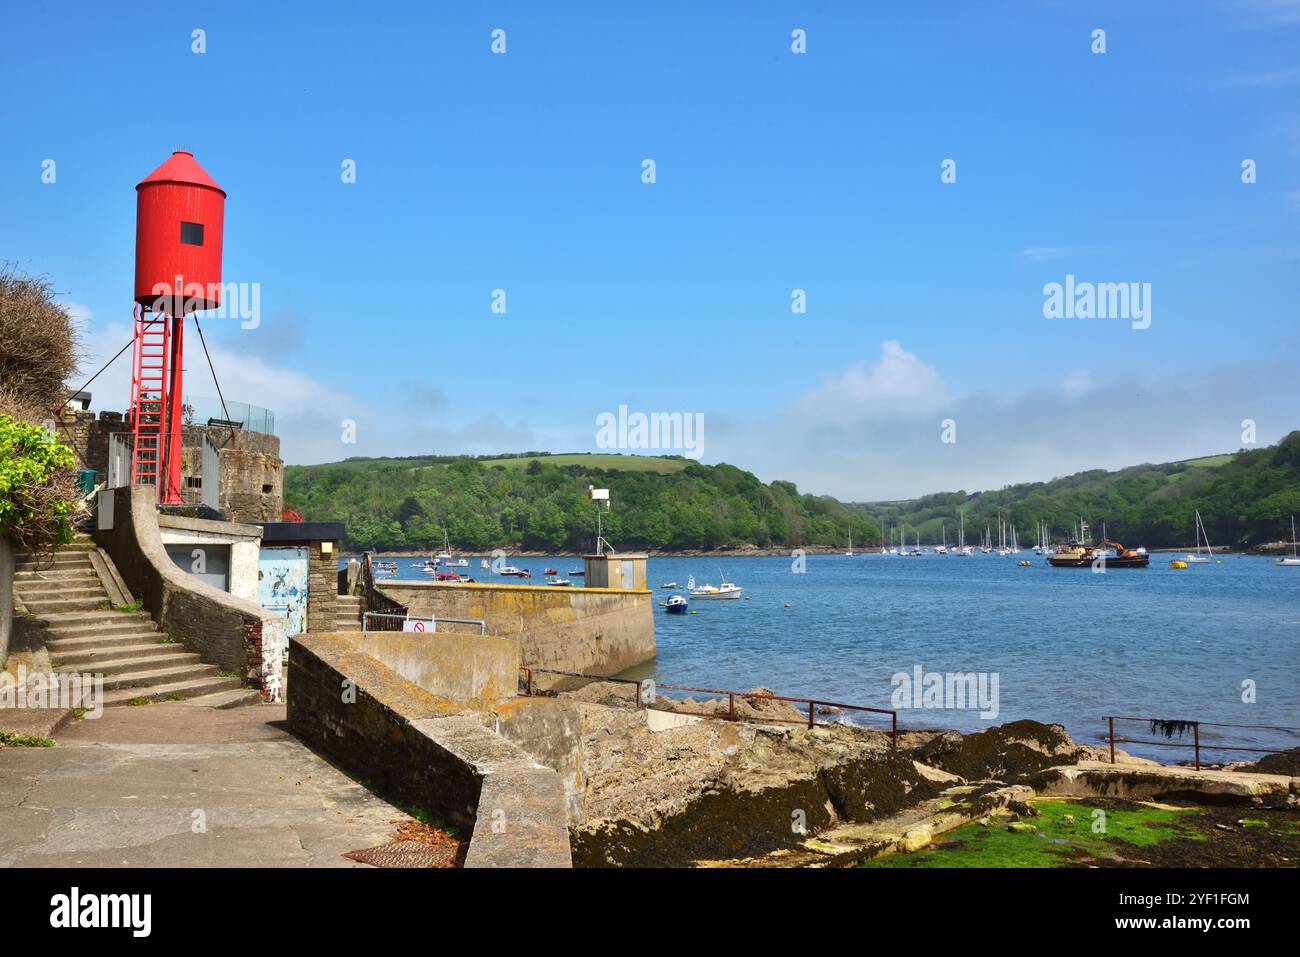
(775, 171)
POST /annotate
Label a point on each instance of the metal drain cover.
(406, 854)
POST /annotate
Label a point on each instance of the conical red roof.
(182, 167)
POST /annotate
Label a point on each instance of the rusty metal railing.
(382, 621)
(1171, 727)
(376, 600)
(731, 696)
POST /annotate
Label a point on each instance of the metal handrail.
(1196, 744)
(731, 714)
(376, 599)
(436, 619)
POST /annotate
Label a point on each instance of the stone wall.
(471, 667)
(599, 631)
(233, 633)
(322, 586)
(252, 473)
(6, 597)
(88, 435)
(425, 751)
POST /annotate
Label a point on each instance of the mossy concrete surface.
(1101, 832)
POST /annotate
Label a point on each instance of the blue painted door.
(282, 585)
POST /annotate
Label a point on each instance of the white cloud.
(1085, 420)
(897, 380)
(310, 414)
(1040, 254)
(1076, 383)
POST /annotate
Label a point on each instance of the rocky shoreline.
(770, 791)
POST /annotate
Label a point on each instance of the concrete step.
(110, 657)
(80, 543)
(57, 574)
(235, 698)
(159, 674)
(45, 591)
(186, 689)
(40, 607)
(93, 640)
(99, 618)
(354, 600)
(145, 662)
(58, 560)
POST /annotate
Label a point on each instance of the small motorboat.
(511, 572)
(725, 590)
(677, 605)
(668, 585)
(559, 581)
(551, 571)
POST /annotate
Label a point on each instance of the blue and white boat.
(676, 605)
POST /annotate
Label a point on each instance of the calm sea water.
(1068, 645)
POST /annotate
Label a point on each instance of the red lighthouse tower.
(179, 214)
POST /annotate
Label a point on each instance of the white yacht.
(1293, 561)
(1198, 558)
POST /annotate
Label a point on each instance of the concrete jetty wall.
(228, 631)
(427, 750)
(590, 630)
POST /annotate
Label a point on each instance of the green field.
(597, 460)
(1208, 462)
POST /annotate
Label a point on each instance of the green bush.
(38, 498)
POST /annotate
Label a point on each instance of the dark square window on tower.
(192, 234)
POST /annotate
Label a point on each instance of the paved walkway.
(125, 789)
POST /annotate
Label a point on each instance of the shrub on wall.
(39, 501)
(38, 346)
(38, 493)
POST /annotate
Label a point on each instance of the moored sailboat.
(1293, 561)
(1198, 558)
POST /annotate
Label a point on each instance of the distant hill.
(537, 501)
(1244, 498)
(595, 460)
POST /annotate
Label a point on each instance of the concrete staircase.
(348, 615)
(83, 635)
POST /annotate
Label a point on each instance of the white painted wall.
(243, 569)
(243, 556)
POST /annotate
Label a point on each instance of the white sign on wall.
(419, 625)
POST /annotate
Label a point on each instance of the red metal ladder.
(148, 396)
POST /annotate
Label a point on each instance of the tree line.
(391, 504)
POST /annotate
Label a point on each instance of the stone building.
(250, 472)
